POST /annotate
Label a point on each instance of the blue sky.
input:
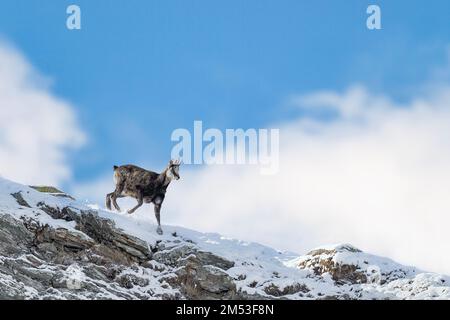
(139, 69)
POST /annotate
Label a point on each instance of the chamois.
(143, 185)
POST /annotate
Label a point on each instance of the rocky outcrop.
(98, 260)
(52, 247)
(323, 261)
(348, 265)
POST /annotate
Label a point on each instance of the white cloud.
(36, 128)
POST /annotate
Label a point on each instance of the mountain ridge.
(54, 247)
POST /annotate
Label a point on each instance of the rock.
(98, 260)
(20, 200)
(200, 274)
(46, 189)
(199, 281)
(104, 231)
(65, 214)
(174, 257)
(67, 240)
(52, 191)
(322, 261)
(275, 291)
(40, 261)
(14, 236)
(208, 258)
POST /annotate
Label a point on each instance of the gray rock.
(100, 261)
(20, 200)
(199, 281)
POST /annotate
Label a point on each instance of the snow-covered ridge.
(52, 246)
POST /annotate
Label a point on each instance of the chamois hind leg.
(140, 199)
(158, 202)
(108, 200)
(117, 194)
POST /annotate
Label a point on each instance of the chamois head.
(172, 171)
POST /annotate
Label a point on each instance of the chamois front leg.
(140, 199)
(158, 202)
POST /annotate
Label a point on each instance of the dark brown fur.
(143, 185)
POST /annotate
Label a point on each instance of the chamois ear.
(174, 162)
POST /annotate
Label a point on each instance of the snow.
(256, 268)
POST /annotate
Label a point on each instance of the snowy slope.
(63, 247)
